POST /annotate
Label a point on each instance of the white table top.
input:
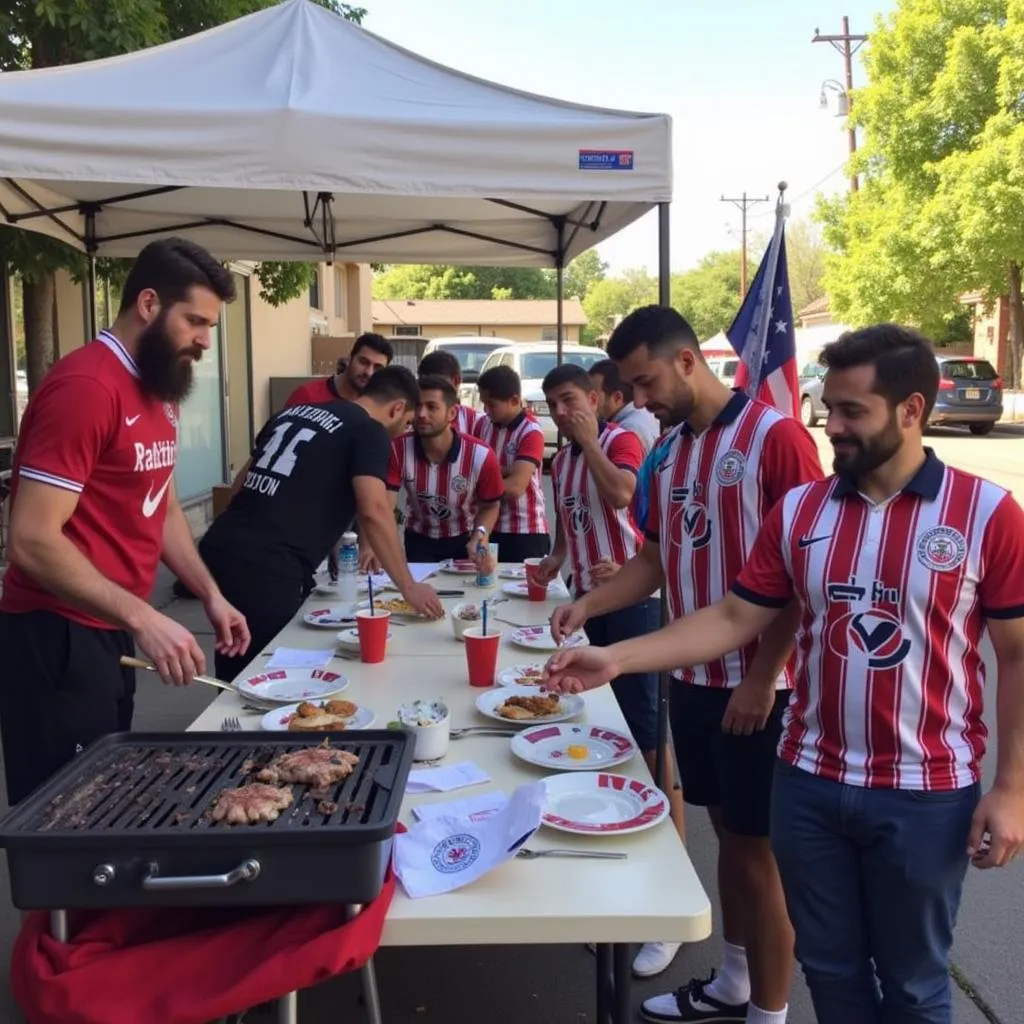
(653, 896)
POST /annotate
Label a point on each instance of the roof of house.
(816, 307)
(477, 312)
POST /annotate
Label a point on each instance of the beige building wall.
(71, 326)
(514, 332)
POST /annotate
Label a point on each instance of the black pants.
(434, 549)
(517, 547)
(63, 688)
(267, 598)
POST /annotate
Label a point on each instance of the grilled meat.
(530, 707)
(250, 804)
(319, 766)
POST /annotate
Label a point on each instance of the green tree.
(582, 274)
(611, 298)
(709, 295)
(943, 169)
(45, 33)
(441, 281)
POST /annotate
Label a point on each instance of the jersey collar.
(124, 357)
(332, 387)
(925, 483)
(512, 424)
(730, 411)
(453, 452)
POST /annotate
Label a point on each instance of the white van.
(472, 351)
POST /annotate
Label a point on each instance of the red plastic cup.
(373, 634)
(535, 590)
(481, 655)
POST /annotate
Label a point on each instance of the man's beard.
(680, 410)
(870, 453)
(358, 386)
(164, 369)
(427, 431)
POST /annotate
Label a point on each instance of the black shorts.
(636, 693)
(434, 549)
(733, 773)
(63, 688)
(517, 547)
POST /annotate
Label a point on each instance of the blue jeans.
(873, 880)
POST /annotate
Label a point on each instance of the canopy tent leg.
(90, 276)
(661, 774)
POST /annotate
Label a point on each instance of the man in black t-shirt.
(313, 468)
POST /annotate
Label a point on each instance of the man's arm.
(376, 510)
(615, 485)
(487, 517)
(518, 480)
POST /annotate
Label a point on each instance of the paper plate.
(459, 567)
(555, 589)
(559, 746)
(539, 638)
(329, 618)
(487, 703)
(599, 803)
(350, 638)
(277, 720)
(512, 572)
(287, 685)
(512, 676)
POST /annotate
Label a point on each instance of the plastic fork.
(526, 854)
(481, 730)
(231, 724)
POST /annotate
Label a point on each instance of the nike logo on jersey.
(806, 542)
(152, 501)
(130, 421)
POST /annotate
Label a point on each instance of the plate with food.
(398, 606)
(573, 747)
(601, 803)
(459, 566)
(335, 715)
(521, 675)
(512, 572)
(527, 705)
(290, 685)
(539, 638)
(349, 639)
(329, 618)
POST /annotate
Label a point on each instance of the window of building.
(549, 334)
(339, 291)
(407, 331)
(315, 301)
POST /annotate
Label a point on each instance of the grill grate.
(168, 788)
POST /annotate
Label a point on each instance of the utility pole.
(844, 44)
(742, 203)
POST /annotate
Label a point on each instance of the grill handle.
(247, 871)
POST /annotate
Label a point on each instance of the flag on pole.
(763, 334)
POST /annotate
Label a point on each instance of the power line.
(742, 203)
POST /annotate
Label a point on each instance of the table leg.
(59, 925)
(604, 983)
(622, 976)
(371, 997)
(288, 1009)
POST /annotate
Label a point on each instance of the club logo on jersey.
(690, 517)
(876, 633)
(941, 548)
(436, 505)
(460, 484)
(510, 449)
(172, 414)
(580, 519)
(730, 467)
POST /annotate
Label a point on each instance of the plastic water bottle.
(348, 569)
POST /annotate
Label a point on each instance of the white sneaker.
(654, 957)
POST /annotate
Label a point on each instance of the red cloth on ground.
(185, 965)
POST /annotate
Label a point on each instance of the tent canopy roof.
(294, 134)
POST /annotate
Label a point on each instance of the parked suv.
(533, 361)
(970, 394)
(472, 351)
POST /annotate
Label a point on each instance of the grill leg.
(371, 997)
(288, 1009)
(59, 925)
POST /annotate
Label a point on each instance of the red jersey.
(467, 419)
(890, 680)
(593, 529)
(314, 392)
(442, 499)
(522, 440)
(92, 430)
(709, 496)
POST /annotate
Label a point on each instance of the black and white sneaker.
(693, 1005)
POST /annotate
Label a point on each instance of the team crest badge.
(460, 484)
(455, 853)
(730, 467)
(580, 519)
(941, 549)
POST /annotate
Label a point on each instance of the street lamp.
(843, 97)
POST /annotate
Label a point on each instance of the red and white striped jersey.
(895, 596)
(522, 440)
(593, 529)
(442, 498)
(709, 497)
(467, 419)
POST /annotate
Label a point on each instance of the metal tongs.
(266, 705)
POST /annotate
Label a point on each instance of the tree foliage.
(942, 204)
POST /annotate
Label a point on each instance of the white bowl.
(459, 626)
(431, 737)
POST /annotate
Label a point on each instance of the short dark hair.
(172, 267)
(440, 364)
(904, 361)
(435, 382)
(377, 342)
(500, 382)
(568, 373)
(611, 379)
(393, 384)
(660, 328)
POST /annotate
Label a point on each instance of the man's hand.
(548, 569)
(579, 669)
(171, 647)
(229, 625)
(603, 571)
(479, 553)
(1000, 814)
(368, 561)
(566, 619)
(748, 709)
(424, 599)
(584, 427)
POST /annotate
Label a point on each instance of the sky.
(740, 78)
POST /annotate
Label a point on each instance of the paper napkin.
(299, 657)
(474, 808)
(443, 780)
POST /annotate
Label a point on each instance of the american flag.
(762, 333)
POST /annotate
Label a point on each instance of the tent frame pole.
(661, 778)
(90, 277)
